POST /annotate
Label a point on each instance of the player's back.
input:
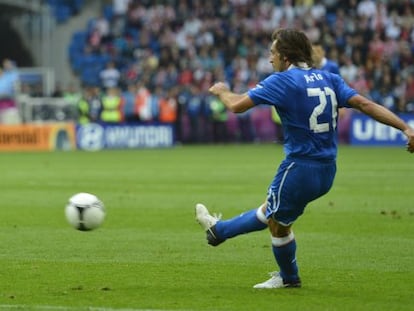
(308, 110)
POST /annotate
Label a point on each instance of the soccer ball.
(85, 211)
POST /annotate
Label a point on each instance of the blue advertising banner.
(94, 136)
(366, 131)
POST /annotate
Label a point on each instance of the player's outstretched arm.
(236, 103)
(383, 115)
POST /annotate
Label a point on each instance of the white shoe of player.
(276, 282)
(204, 218)
(208, 222)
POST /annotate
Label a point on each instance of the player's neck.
(300, 65)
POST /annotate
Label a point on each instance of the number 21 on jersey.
(322, 95)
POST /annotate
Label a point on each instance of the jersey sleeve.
(266, 92)
(343, 92)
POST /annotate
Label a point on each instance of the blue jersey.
(307, 101)
(331, 66)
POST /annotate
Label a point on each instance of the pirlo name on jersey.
(313, 77)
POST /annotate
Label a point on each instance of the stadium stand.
(63, 10)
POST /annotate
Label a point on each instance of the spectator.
(9, 79)
(219, 119)
(112, 106)
(348, 70)
(194, 111)
(120, 7)
(246, 130)
(110, 76)
(129, 103)
(89, 106)
(367, 8)
(142, 102)
(168, 107)
(409, 94)
(154, 103)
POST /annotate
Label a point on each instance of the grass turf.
(355, 245)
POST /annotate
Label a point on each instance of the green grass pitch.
(355, 245)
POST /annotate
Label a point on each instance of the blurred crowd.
(158, 58)
(184, 44)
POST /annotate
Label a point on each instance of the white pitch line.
(63, 308)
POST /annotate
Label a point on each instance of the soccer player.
(307, 100)
(320, 61)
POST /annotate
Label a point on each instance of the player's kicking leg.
(284, 248)
(220, 230)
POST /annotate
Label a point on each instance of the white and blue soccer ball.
(85, 211)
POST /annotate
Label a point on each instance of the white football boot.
(276, 282)
(208, 222)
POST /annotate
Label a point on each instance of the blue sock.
(244, 223)
(284, 250)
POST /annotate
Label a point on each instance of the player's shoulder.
(332, 62)
(327, 74)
